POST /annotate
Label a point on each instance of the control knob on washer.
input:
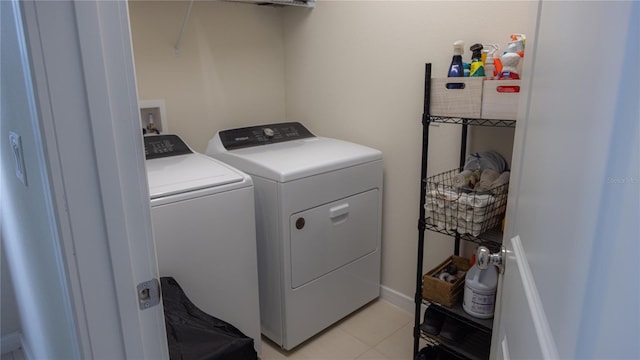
(268, 132)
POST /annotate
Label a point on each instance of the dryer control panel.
(158, 146)
(263, 135)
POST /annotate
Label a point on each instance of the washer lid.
(296, 159)
(182, 173)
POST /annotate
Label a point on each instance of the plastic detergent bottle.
(517, 44)
(477, 67)
(510, 61)
(151, 126)
(456, 67)
(480, 291)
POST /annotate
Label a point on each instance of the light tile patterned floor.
(377, 331)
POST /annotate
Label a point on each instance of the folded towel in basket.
(460, 180)
(501, 180)
(466, 179)
(487, 177)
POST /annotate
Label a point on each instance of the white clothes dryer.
(202, 212)
(318, 221)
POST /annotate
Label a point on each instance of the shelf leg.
(426, 119)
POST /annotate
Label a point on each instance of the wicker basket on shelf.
(450, 208)
(443, 292)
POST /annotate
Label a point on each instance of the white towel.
(501, 180)
(466, 179)
(460, 180)
(487, 178)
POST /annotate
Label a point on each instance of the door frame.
(83, 77)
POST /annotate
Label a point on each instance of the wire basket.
(450, 208)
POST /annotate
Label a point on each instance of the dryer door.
(330, 236)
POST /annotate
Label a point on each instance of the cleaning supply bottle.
(489, 52)
(517, 43)
(510, 61)
(456, 69)
(480, 291)
(477, 67)
(151, 126)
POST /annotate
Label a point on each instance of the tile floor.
(377, 331)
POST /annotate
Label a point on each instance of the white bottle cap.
(458, 47)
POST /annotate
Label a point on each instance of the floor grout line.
(363, 336)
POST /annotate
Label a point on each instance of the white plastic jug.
(480, 291)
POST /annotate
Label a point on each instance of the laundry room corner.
(355, 70)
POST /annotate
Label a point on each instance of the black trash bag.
(193, 334)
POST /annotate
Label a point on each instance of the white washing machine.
(204, 228)
(318, 221)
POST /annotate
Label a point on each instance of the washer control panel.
(158, 146)
(263, 135)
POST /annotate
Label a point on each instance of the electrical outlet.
(18, 156)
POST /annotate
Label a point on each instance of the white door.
(571, 286)
(69, 92)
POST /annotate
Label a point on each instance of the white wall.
(355, 70)
(229, 73)
(349, 69)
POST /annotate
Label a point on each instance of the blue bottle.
(456, 69)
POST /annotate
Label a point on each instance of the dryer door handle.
(338, 211)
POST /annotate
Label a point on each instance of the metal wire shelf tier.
(491, 238)
(457, 312)
(474, 122)
(473, 347)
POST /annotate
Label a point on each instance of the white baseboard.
(11, 342)
(399, 299)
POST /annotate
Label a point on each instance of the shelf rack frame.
(488, 239)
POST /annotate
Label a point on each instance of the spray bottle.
(489, 52)
(456, 67)
(477, 67)
(511, 59)
(517, 43)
